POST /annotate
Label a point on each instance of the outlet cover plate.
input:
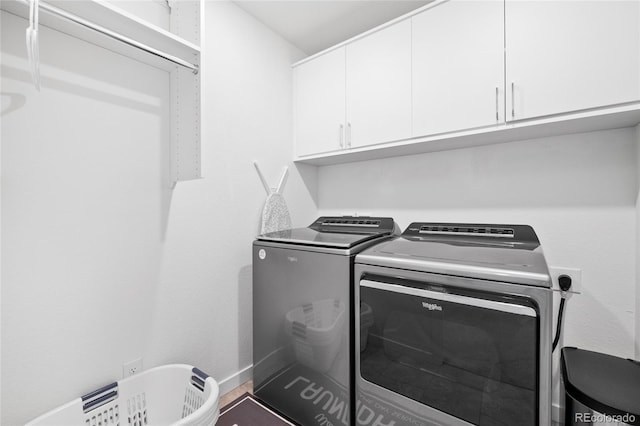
(574, 273)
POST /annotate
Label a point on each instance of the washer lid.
(308, 236)
(513, 256)
(335, 231)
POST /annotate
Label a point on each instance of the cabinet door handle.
(513, 101)
(497, 116)
(349, 135)
(341, 135)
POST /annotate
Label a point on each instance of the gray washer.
(302, 310)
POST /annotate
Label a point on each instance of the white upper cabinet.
(461, 73)
(564, 56)
(458, 66)
(320, 104)
(379, 86)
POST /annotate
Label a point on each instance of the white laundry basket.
(168, 395)
(315, 329)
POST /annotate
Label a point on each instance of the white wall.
(83, 193)
(637, 357)
(247, 115)
(578, 192)
(101, 262)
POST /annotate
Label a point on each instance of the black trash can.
(600, 389)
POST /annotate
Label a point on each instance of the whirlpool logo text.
(432, 306)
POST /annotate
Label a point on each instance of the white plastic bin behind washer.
(315, 331)
(168, 395)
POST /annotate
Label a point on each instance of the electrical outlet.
(132, 367)
(575, 274)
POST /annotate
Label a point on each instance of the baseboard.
(235, 380)
(266, 367)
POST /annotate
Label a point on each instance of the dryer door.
(453, 355)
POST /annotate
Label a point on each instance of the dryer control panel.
(512, 233)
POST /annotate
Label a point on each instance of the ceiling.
(314, 25)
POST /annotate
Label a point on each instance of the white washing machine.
(454, 324)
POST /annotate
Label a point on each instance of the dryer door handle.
(453, 298)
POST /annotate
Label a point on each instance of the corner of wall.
(250, 73)
(309, 176)
(637, 311)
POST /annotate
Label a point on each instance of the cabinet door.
(379, 86)
(565, 56)
(458, 66)
(319, 104)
